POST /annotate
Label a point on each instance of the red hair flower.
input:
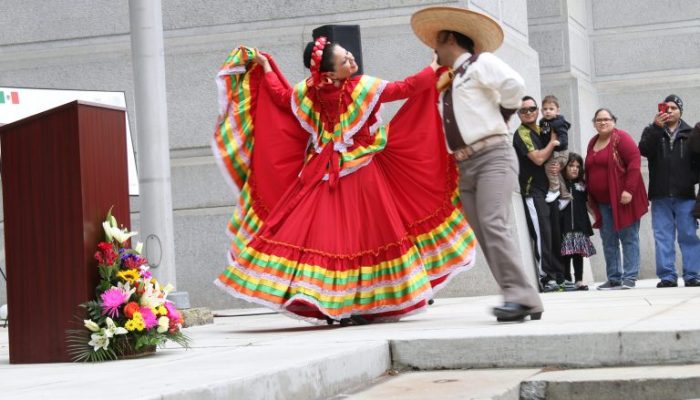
(316, 56)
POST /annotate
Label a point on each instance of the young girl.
(575, 224)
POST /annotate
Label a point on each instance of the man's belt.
(471, 149)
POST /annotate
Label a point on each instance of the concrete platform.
(252, 354)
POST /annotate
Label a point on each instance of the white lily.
(163, 324)
(113, 232)
(91, 325)
(120, 235)
(152, 296)
(108, 230)
(139, 247)
(167, 289)
(112, 329)
(126, 288)
(99, 341)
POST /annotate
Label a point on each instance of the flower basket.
(130, 352)
(131, 314)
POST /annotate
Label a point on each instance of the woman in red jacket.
(617, 196)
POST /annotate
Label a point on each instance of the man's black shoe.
(692, 282)
(514, 312)
(666, 283)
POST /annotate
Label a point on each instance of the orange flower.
(131, 308)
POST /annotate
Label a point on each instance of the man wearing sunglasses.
(543, 218)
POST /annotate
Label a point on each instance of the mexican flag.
(9, 97)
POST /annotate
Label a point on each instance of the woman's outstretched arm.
(413, 84)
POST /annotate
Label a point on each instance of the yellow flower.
(162, 310)
(136, 323)
(139, 323)
(130, 275)
(130, 325)
(140, 326)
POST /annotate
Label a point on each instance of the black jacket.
(574, 218)
(559, 125)
(673, 170)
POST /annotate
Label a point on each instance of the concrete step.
(493, 384)
(573, 350)
(578, 329)
(679, 382)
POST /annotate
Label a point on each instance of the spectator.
(673, 173)
(533, 150)
(617, 197)
(576, 227)
(552, 121)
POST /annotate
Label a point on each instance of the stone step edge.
(584, 350)
(639, 383)
(317, 379)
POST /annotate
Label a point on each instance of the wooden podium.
(62, 170)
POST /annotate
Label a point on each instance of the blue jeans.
(629, 237)
(668, 216)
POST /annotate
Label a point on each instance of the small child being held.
(576, 227)
(552, 122)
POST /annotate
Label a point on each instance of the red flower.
(130, 309)
(173, 326)
(105, 254)
(132, 261)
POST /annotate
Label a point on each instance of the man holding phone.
(673, 173)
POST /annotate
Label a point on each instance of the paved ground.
(252, 354)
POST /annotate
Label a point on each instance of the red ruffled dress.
(338, 215)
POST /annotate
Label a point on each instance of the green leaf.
(80, 351)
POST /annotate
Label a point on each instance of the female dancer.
(339, 218)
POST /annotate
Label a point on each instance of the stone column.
(559, 33)
(156, 218)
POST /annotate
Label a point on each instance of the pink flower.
(173, 313)
(145, 273)
(112, 299)
(149, 319)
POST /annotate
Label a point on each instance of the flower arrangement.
(131, 312)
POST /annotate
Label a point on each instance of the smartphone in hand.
(663, 107)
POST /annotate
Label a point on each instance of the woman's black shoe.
(354, 320)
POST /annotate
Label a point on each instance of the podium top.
(74, 103)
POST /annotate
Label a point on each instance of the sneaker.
(568, 286)
(551, 196)
(580, 286)
(563, 203)
(628, 284)
(666, 283)
(692, 282)
(552, 286)
(610, 285)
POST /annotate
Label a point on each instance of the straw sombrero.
(484, 31)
